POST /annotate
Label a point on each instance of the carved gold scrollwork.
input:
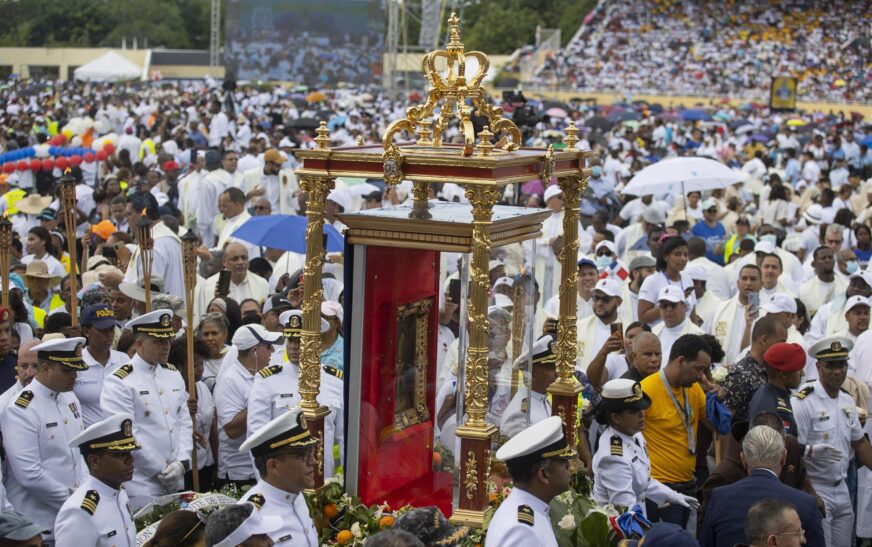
(470, 484)
(413, 322)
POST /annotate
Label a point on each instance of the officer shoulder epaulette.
(525, 514)
(804, 392)
(168, 366)
(333, 371)
(89, 503)
(257, 500)
(24, 398)
(616, 445)
(525, 406)
(123, 371)
(269, 371)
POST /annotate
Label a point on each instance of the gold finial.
(360, 141)
(485, 145)
(323, 138)
(454, 23)
(424, 132)
(571, 138)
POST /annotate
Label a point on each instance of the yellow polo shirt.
(671, 461)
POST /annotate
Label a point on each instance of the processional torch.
(189, 257)
(5, 245)
(146, 246)
(68, 205)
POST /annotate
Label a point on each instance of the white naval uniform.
(109, 524)
(623, 472)
(43, 470)
(89, 383)
(276, 390)
(515, 417)
(833, 421)
(155, 395)
(511, 525)
(297, 529)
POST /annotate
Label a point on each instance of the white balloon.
(41, 150)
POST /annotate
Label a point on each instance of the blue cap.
(47, 214)
(99, 316)
(587, 262)
(664, 534)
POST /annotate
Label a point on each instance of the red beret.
(170, 166)
(785, 357)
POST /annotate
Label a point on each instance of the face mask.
(852, 266)
(603, 261)
(770, 238)
(596, 171)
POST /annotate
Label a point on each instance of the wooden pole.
(146, 245)
(68, 202)
(189, 256)
(5, 244)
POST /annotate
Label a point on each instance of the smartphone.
(754, 301)
(454, 290)
(223, 286)
(617, 327)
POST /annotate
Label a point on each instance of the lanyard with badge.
(684, 414)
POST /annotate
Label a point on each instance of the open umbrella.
(743, 129)
(315, 97)
(738, 123)
(695, 114)
(625, 116)
(761, 138)
(555, 112)
(554, 104)
(285, 232)
(598, 122)
(668, 116)
(795, 122)
(690, 174)
(867, 141)
(304, 123)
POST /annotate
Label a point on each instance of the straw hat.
(39, 269)
(33, 204)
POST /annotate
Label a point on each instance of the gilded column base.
(476, 458)
(315, 423)
(564, 403)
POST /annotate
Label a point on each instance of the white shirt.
(506, 529)
(278, 189)
(297, 529)
(166, 261)
(231, 398)
(219, 127)
(203, 424)
(253, 286)
(89, 384)
(231, 225)
(668, 336)
(650, 289)
(43, 469)
(110, 524)
(515, 417)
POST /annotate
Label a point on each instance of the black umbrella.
(598, 122)
(655, 108)
(304, 123)
(625, 116)
(299, 102)
(554, 104)
(735, 124)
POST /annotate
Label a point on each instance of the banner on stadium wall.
(317, 44)
(782, 93)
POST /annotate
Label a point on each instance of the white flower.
(719, 374)
(355, 530)
(567, 522)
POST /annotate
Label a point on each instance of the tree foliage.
(92, 23)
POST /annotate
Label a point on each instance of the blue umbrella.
(867, 141)
(285, 232)
(695, 114)
(761, 138)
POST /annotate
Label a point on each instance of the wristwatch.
(187, 465)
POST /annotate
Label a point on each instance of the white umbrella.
(689, 174)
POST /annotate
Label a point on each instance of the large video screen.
(319, 43)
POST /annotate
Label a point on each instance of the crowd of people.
(733, 49)
(766, 278)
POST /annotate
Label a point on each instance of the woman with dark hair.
(863, 247)
(40, 247)
(213, 330)
(671, 261)
(231, 311)
(202, 411)
(180, 528)
(776, 211)
(621, 463)
(801, 321)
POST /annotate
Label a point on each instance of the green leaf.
(595, 530)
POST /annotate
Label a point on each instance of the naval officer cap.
(624, 393)
(114, 434)
(286, 431)
(543, 353)
(832, 349)
(540, 441)
(158, 324)
(63, 351)
(292, 322)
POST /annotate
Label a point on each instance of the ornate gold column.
(476, 434)
(565, 390)
(316, 188)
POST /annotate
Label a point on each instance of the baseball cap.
(709, 204)
(47, 214)
(779, 303)
(99, 316)
(552, 191)
(697, 272)
(643, 261)
(587, 262)
(653, 215)
(248, 336)
(764, 247)
(855, 301)
(276, 303)
(608, 286)
(671, 293)
(15, 526)
(608, 245)
(330, 308)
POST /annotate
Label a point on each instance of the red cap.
(171, 166)
(785, 357)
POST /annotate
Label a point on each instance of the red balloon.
(60, 138)
(109, 147)
(9, 167)
(75, 160)
(101, 155)
(35, 165)
(89, 157)
(47, 165)
(62, 163)
(22, 165)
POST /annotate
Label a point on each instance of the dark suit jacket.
(731, 470)
(724, 524)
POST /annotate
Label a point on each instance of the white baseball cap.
(609, 286)
(779, 303)
(552, 191)
(608, 245)
(855, 301)
(764, 247)
(671, 293)
(248, 336)
(697, 272)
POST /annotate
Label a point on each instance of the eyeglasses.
(667, 304)
(602, 298)
(800, 533)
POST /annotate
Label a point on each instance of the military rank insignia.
(24, 398)
(257, 500)
(616, 445)
(123, 371)
(269, 371)
(89, 503)
(525, 514)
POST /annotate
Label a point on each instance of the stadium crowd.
(766, 278)
(731, 49)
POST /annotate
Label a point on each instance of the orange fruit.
(437, 458)
(386, 521)
(330, 510)
(344, 536)
(492, 497)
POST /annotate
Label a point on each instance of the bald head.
(25, 369)
(647, 355)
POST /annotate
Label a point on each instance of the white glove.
(823, 453)
(689, 501)
(172, 478)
